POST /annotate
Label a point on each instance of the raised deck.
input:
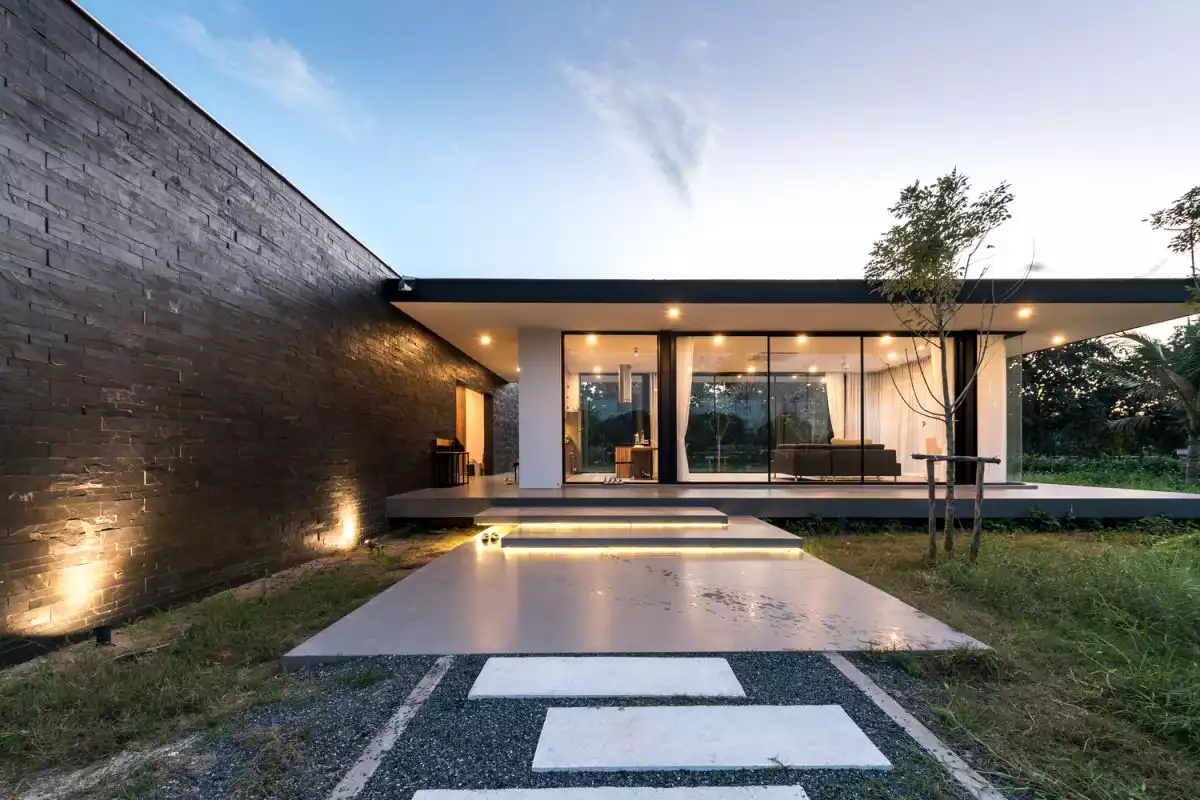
(790, 501)
(739, 533)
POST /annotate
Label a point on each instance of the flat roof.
(463, 310)
(591, 290)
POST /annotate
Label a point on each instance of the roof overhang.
(463, 310)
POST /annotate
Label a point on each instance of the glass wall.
(610, 402)
(808, 408)
(722, 408)
(1014, 468)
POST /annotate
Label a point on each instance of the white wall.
(991, 388)
(540, 426)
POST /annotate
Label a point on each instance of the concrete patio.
(482, 598)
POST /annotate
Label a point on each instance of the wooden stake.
(977, 534)
(932, 478)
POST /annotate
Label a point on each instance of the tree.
(921, 267)
(1182, 218)
(1167, 374)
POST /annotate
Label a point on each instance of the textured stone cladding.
(504, 427)
(199, 381)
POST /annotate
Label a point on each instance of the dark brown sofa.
(836, 460)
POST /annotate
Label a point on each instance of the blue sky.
(697, 138)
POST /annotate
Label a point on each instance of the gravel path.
(300, 749)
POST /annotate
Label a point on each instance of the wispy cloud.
(276, 68)
(671, 127)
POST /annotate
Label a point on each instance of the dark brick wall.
(504, 427)
(198, 379)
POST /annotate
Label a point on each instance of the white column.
(540, 426)
(991, 388)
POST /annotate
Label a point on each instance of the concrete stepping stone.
(620, 793)
(606, 676)
(703, 738)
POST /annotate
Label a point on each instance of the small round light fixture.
(719, 339)
(596, 369)
(801, 338)
(812, 368)
(592, 339)
(1058, 339)
(752, 369)
(1025, 312)
(673, 313)
(886, 338)
(485, 339)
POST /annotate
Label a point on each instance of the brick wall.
(198, 379)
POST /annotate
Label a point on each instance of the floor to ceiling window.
(722, 408)
(610, 402)
(807, 408)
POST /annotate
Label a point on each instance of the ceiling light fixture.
(485, 339)
(886, 338)
(592, 339)
(596, 369)
(1058, 339)
(812, 368)
(1025, 312)
(801, 338)
(751, 369)
(673, 313)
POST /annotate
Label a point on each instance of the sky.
(698, 138)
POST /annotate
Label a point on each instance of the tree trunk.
(948, 397)
(1191, 466)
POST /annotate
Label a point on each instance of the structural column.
(668, 448)
(540, 428)
(966, 421)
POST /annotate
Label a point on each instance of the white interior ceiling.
(463, 324)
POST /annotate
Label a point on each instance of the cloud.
(672, 128)
(694, 47)
(274, 67)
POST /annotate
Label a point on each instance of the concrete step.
(739, 533)
(593, 515)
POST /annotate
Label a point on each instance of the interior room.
(610, 403)
(807, 408)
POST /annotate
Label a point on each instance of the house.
(802, 382)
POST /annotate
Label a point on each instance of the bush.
(1168, 467)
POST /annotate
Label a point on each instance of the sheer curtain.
(893, 396)
(835, 393)
(684, 349)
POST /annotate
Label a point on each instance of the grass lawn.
(187, 669)
(1094, 688)
(1129, 480)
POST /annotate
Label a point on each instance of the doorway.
(472, 425)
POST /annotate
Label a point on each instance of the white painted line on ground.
(969, 779)
(620, 793)
(703, 738)
(601, 676)
(354, 780)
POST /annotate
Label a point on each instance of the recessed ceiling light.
(592, 338)
(751, 369)
(673, 313)
(485, 339)
(886, 338)
(518, 369)
(1058, 339)
(1025, 312)
(801, 338)
(719, 339)
(596, 369)
(812, 368)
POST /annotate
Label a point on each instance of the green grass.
(191, 668)
(1093, 690)
(1158, 473)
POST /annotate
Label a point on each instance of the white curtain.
(684, 349)
(893, 396)
(836, 395)
(852, 403)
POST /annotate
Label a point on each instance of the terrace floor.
(890, 501)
